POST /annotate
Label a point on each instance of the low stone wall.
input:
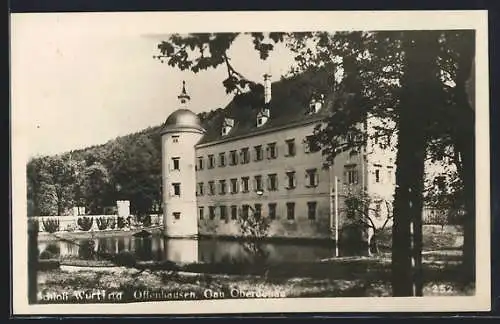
(70, 223)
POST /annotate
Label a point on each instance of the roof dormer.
(263, 116)
(316, 104)
(227, 125)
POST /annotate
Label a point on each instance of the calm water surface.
(157, 248)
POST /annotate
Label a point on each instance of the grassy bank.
(352, 277)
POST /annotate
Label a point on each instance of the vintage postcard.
(250, 162)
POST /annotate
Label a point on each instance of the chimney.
(267, 88)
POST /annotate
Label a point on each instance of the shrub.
(51, 225)
(86, 250)
(102, 223)
(146, 221)
(53, 249)
(111, 223)
(45, 255)
(125, 258)
(121, 222)
(85, 223)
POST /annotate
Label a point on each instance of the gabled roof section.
(289, 104)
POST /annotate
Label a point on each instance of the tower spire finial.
(184, 97)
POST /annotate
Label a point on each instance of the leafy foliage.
(51, 225)
(85, 223)
(102, 223)
(120, 222)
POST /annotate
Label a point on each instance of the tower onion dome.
(182, 120)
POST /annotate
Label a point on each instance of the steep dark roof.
(289, 103)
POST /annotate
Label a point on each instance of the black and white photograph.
(250, 162)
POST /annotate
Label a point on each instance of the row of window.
(245, 211)
(236, 185)
(243, 155)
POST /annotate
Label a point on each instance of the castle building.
(261, 161)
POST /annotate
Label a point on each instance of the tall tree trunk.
(464, 139)
(418, 95)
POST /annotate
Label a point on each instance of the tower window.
(290, 146)
(272, 182)
(272, 210)
(177, 215)
(377, 175)
(290, 176)
(211, 161)
(177, 188)
(245, 184)
(175, 139)
(290, 210)
(176, 163)
(311, 209)
(312, 178)
(258, 153)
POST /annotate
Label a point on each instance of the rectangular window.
(175, 139)
(177, 215)
(258, 153)
(245, 184)
(234, 186)
(175, 163)
(201, 212)
(310, 145)
(312, 178)
(233, 158)
(200, 189)
(222, 187)
(377, 175)
(258, 183)
(244, 211)
(234, 212)
(211, 211)
(211, 188)
(311, 210)
(200, 163)
(272, 184)
(350, 175)
(177, 188)
(290, 210)
(222, 159)
(290, 180)
(211, 161)
(378, 209)
(245, 155)
(290, 147)
(223, 212)
(258, 211)
(272, 151)
(272, 210)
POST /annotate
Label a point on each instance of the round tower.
(180, 133)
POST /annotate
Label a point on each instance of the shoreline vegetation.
(74, 280)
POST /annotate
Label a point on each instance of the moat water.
(158, 248)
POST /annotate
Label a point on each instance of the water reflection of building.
(242, 160)
(182, 250)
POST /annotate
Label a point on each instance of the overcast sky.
(81, 81)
